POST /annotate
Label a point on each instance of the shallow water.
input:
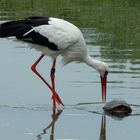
(112, 33)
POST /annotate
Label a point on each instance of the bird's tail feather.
(20, 27)
(13, 28)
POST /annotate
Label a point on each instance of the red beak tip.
(103, 84)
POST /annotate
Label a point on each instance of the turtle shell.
(117, 107)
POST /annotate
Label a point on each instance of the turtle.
(118, 108)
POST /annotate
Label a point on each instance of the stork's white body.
(68, 38)
(54, 37)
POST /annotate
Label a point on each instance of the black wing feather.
(20, 27)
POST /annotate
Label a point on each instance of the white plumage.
(55, 37)
(68, 38)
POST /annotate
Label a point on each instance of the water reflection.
(103, 128)
(55, 116)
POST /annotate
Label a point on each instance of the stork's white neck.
(100, 66)
(92, 62)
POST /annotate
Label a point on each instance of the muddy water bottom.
(85, 121)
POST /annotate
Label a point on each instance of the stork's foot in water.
(117, 108)
(56, 99)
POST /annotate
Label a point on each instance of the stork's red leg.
(33, 67)
(52, 75)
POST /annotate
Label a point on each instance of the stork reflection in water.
(55, 115)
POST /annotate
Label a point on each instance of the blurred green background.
(114, 24)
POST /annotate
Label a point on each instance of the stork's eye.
(106, 72)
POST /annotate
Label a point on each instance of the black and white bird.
(55, 37)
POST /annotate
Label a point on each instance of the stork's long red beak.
(103, 84)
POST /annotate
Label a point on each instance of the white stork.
(55, 37)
